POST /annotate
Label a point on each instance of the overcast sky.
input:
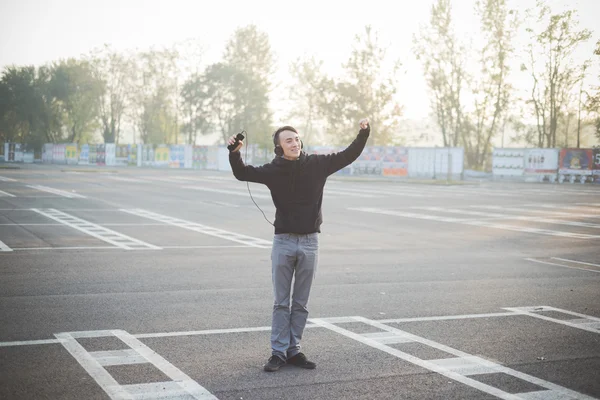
(36, 32)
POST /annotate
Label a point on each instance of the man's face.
(290, 143)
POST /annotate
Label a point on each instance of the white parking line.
(124, 179)
(224, 191)
(93, 368)
(560, 265)
(583, 322)
(458, 368)
(58, 192)
(546, 212)
(576, 262)
(186, 384)
(486, 224)
(6, 194)
(514, 217)
(4, 247)
(97, 231)
(335, 320)
(207, 230)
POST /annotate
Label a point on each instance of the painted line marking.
(224, 191)
(58, 192)
(93, 368)
(560, 265)
(546, 212)
(576, 262)
(6, 194)
(31, 342)
(168, 390)
(123, 179)
(390, 192)
(207, 230)
(66, 248)
(445, 318)
(4, 247)
(417, 361)
(486, 224)
(479, 361)
(6, 179)
(97, 231)
(590, 326)
(563, 207)
(185, 382)
(334, 320)
(515, 217)
(350, 193)
(118, 357)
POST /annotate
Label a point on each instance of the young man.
(296, 182)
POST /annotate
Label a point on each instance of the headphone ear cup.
(301, 144)
(278, 151)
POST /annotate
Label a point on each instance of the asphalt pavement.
(130, 283)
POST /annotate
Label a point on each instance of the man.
(296, 182)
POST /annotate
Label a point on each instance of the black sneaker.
(299, 360)
(274, 363)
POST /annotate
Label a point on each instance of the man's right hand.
(232, 141)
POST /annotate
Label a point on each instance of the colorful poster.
(596, 165)
(100, 154)
(576, 161)
(71, 155)
(93, 154)
(84, 154)
(177, 156)
(132, 154)
(199, 157)
(121, 154)
(370, 161)
(161, 155)
(147, 154)
(58, 153)
(395, 161)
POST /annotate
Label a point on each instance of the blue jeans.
(293, 256)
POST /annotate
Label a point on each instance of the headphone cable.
(248, 185)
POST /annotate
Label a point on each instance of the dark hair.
(278, 131)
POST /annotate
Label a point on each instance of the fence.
(524, 164)
(570, 165)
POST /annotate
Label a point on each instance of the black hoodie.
(297, 186)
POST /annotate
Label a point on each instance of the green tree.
(248, 67)
(366, 90)
(553, 71)
(491, 90)
(306, 94)
(116, 72)
(29, 113)
(443, 58)
(78, 92)
(593, 101)
(195, 108)
(154, 96)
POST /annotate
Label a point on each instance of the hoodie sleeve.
(336, 161)
(248, 173)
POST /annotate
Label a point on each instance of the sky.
(37, 32)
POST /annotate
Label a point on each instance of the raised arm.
(244, 172)
(336, 161)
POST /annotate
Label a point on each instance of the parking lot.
(148, 284)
